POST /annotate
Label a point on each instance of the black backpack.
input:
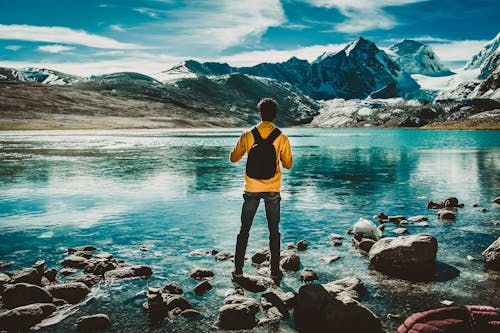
(261, 161)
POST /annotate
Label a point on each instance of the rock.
(4, 278)
(446, 302)
(190, 313)
(474, 205)
(201, 273)
(381, 217)
(491, 255)
(104, 255)
(237, 313)
(71, 292)
(330, 259)
(138, 271)
(50, 274)
(214, 252)
(308, 275)
(172, 301)
(101, 267)
(396, 219)
(68, 271)
(40, 266)
(422, 224)
(27, 275)
(59, 302)
(202, 287)
(5, 265)
(260, 256)
(317, 310)
(74, 261)
(349, 286)
(20, 319)
(89, 280)
(404, 255)
(365, 244)
(279, 300)
(145, 248)
(290, 262)
(366, 229)
(253, 283)
(334, 236)
(97, 322)
(446, 215)
(172, 288)
(471, 258)
(85, 254)
(84, 248)
(20, 294)
(451, 202)
(435, 205)
(336, 242)
(497, 200)
(199, 253)
(401, 231)
(291, 246)
(484, 210)
(418, 218)
(223, 256)
(301, 245)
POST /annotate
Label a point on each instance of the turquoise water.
(176, 191)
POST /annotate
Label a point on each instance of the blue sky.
(98, 36)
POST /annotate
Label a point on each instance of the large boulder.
(253, 283)
(327, 308)
(93, 323)
(23, 294)
(72, 292)
(20, 319)
(74, 261)
(405, 256)
(366, 229)
(290, 261)
(491, 255)
(130, 272)
(27, 275)
(237, 313)
(463, 319)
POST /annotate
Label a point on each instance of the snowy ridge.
(487, 52)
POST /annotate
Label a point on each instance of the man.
(262, 181)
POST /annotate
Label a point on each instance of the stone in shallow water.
(223, 256)
(94, 323)
(260, 256)
(138, 271)
(172, 288)
(72, 292)
(301, 245)
(238, 312)
(74, 261)
(308, 275)
(68, 271)
(20, 319)
(190, 313)
(401, 231)
(418, 218)
(253, 283)
(199, 273)
(84, 248)
(290, 262)
(202, 287)
(27, 275)
(23, 294)
(446, 215)
(491, 255)
(330, 259)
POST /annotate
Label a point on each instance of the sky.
(91, 37)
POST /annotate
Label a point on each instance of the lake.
(176, 191)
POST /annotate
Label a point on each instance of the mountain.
(193, 68)
(414, 57)
(484, 58)
(40, 75)
(9, 74)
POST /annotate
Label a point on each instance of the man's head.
(268, 109)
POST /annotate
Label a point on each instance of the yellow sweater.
(283, 154)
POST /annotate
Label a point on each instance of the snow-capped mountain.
(40, 75)
(193, 68)
(414, 57)
(9, 74)
(485, 58)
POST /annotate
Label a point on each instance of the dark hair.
(268, 108)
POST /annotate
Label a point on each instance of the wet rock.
(201, 273)
(418, 218)
(84, 248)
(290, 262)
(366, 229)
(5, 265)
(59, 302)
(74, 261)
(104, 255)
(50, 274)
(103, 266)
(71, 292)
(484, 210)
(27, 275)
(381, 217)
(4, 278)
(447, 215)
(202, 287)
(291, 246)
(336, 242)
(214, 252)
(491, 255)
(318, 310)
(253, 283)
(190, 313)
(199, 253)
(89, 280)
(474, 205)
(349, 286)
(396, 219)
(20, 319)
(172, 301)
(422, 224)
(365, 244)
(404, 255)
(497, 200)
(40, 266)
(20, 294)
(260, 256)
(330, 259)
(94, 323)
(223, 256)
(279, 300)
(301, 245)
(435, 205)
(451, 202)
(138, 271)
(172, 288)
(238, 312)
(401, 231)
(85, 254)
(334, 236)
(308, 275)
(68, 271)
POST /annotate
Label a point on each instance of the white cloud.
(363, 15)
(459, 50)
(148, 11)
(293, 26)
(59, 35)
(116, 27)
(423, 39)
(54, 48)
(13, 47)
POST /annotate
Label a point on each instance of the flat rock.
(254, 283)
(84, 248)
(202, 287)
(74, 261)
(130, 272)
(27, 275)
(104, 255)
(223, 256)
(401, 231)
(20, 319)
(330, 259)
(422, 224)
(93, 323)
(20, 294)
(172, 288)
(201, 273)
(260, 256)
(491, 255)
(71, 292)
(190, 313)
(68, 271)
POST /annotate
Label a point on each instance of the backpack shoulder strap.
(274, 134)
(256, 135)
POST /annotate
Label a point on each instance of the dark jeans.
(250, 205)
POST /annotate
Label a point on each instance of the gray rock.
(301, 245)
(85, 254)
(401, 231)
(127, 272)
(238, 312)
(497, 200)
(4, 278)
(27, 275)
(172, 301)
(94, 323)
(330, 259)
(447, 215)
(491, 255)
(404, 255)
(104, 255)
(68, 271)
(396, 219)
(418, 218)
(350, 286)
(253, 283)
(290, 262)
(278, 299)
(451, 202)
(334, 236)
(20, 319)
(89, 280)
(84, 248)
(20, 294)
(40, 266)
(172, 288)
(71, 292)
(381, 217)
(308, 275)
(223, 256)
(366, 244)
(260, 256)
(435, 205)
(201, 273)
(74, 261)
(190, 313)
(202, 287)
(50, 274)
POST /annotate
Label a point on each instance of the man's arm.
(239, 150)
(286, 155)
